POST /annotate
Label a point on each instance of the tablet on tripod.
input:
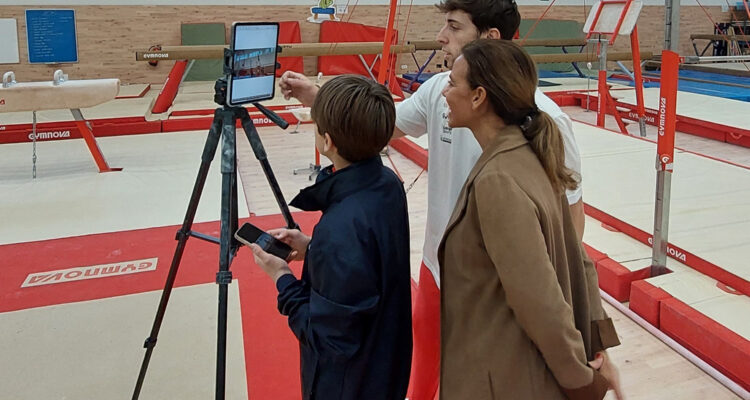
(253, 62)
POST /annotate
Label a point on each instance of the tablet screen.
(254, 62)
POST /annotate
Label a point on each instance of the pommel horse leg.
(88, 137)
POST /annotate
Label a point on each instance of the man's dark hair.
(487, 14)
(358, 114)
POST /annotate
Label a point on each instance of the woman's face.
(459, 95)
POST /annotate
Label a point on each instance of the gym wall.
(109, 35)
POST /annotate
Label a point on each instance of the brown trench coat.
(521, 311)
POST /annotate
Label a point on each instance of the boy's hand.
(293, 84)
(297, 240)
(269, 263)
(604, 365)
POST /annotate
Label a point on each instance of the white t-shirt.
(453, 153)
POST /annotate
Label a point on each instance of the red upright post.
(670, 64)
(169, 91)
(385, 59)
(602, 107)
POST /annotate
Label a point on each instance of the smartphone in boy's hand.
(249, 233)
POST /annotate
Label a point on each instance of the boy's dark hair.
(358, 113)
(487, 14)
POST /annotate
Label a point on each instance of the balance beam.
(354, 48)
(287, 50)
(433, 45)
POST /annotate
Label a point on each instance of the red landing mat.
(67, 270)
(722, 348)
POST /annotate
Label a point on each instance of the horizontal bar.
(720, 37)
(582, 57)
(682, 78)
(709, 59)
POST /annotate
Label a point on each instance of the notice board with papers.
(51, 36)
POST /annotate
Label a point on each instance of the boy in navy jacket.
(351, 308)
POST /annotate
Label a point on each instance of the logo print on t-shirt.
(447, 134)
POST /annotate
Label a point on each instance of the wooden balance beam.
(60, 94)
(354, 48)
(287, 50)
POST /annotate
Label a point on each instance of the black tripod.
(224, 123)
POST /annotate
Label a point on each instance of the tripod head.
(221, 89)
(220, 98)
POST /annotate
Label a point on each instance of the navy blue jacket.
(351, 309)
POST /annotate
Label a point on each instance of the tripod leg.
(260, 154)
(228, 245)
(209, 150)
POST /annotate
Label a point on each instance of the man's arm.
(397, 133)
(293, 84)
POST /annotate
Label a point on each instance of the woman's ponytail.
(509, 76)
(546, 141)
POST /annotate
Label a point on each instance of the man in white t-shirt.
(452, 154)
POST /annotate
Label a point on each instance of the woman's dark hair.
(509, 76)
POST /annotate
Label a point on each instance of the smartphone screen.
(254, 62)
(249, 233)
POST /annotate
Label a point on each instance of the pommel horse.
(60, 93)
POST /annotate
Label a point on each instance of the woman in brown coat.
(521, 314)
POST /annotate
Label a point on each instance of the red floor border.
(411, 150)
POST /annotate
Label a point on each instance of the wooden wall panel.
(108, 36)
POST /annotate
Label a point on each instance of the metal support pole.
(625, 70)
(385, 59)
(602, 107)
(661, 222)
(33, 145)
(638, 80)
(672, 25)
(711, 59)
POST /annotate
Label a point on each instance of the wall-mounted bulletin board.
(51, 36)
(9, 49)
